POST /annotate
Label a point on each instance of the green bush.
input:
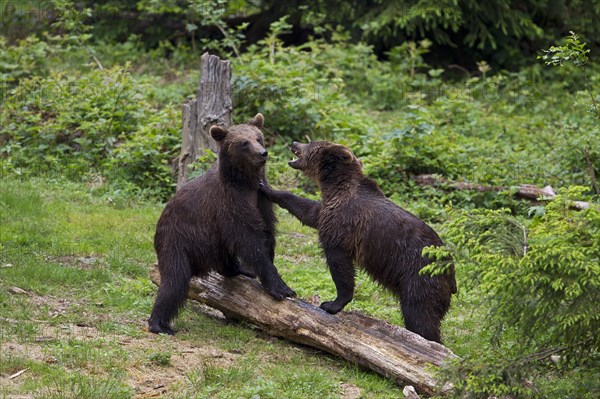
(540, 283)
(96, 122)
(70, 119)
(146, 157)
(27, 58)
(288, 84)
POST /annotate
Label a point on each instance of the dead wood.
(212, 106)
(525, 191)
(389, 350)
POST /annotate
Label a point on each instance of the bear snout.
(297, 148)
(264, 153)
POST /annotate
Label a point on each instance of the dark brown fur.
(358, 224)
(217, 221)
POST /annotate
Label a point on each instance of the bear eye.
(245, 143)
(260, 141)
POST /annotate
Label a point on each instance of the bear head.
(242, 145)
(325, 162)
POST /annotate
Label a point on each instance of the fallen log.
(389, 350)
(526, 191)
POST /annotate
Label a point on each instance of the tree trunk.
(389, 350)
(212, 106)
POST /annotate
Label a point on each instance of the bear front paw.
(281, 292)
(264, 188)
(331, 307)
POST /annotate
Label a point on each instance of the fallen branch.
(526, 191)
(389, 350)
(17, 374)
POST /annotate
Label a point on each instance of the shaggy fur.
(358, 224)
(218, 222)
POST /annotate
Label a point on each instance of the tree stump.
(212, 106)
(389, 350)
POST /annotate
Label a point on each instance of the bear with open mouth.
(358, 225)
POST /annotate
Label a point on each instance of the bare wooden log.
(389, 350)
(212, 106)
(526, 191)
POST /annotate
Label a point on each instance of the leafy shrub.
(540, 282)
(70, 119)
(147, 154)
(287, 84)
(94, 122)
(23, 60)
(573, 51)
(398, 115)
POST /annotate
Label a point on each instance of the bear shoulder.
(371, 186)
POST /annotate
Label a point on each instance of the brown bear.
(358, 224)
(219, 221)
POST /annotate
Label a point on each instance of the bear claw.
(160, 328)
(331, 307)
(281, 293)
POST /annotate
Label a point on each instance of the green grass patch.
(79, 328)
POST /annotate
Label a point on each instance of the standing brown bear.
(358, 224)
(217, 221)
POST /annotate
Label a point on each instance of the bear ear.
(218, 132)
(258, 121)
(345, 155)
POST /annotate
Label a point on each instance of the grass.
(79, 325)
(75, 295)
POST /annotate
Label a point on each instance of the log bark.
(389, 350)
(526, 191)
(212, 106)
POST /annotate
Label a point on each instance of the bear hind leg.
(172, 292)
(233, 268)
(342, 272)
(423, 319)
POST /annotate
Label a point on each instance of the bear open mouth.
(296, 149)
(294, 163)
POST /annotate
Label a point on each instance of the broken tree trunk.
(212, 106)
(389, 350)
(526, 191)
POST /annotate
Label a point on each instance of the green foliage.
(70, 118)
(539, 280)
(302, 94)
(81, 105)
(160, 358)
(27, 58)
(145, 157)
(209, 14)
(572, 51)
(501, 30)
(89, 122)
